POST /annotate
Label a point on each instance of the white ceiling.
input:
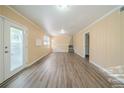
(73, 19)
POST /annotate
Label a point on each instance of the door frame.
(13, 24)
(1, 51)
(84, 52)
(25, 41)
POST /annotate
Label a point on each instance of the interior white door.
(13, 48)
(1, 50)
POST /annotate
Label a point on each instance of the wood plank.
(59, 70)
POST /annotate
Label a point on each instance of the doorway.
(86, 45)
(13, 57)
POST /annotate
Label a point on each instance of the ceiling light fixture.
(62, 31)
(63, 7)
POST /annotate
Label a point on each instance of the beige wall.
(122, 36)
(60, 43)
(34, 32)
(106, 41)
(78, 43)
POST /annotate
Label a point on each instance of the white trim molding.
(101, 18)
(1, 51)
(22, 16)
(36, 60)
(79, 54)
(107, 72)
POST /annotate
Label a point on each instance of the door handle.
(6, 51)
(6, 47)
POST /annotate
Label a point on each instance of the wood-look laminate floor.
(59, 70)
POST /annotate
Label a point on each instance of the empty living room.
(61, 46)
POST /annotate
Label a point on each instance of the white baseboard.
(79, 54)
(60, 51)
(28, 65)
(102, 68)
(107, 72)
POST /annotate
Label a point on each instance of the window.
(46, 40)
(16, 38)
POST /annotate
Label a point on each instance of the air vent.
(122, 9)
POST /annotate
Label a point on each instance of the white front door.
(13, 48)
(1, 51)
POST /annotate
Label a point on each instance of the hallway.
(61, 70)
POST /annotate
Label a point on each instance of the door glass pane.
(16, 36)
